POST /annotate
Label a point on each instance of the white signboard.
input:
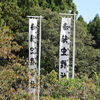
(64, 48)
(32, 53)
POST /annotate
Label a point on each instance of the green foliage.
(26, 6)
(13, 11)
(22, 39)
(14, 71)
(1, 12)
(87, 57)
(11, 14)
(50, 50)
(71, 89)
(58, 5)
(50, 98)
(7, 46)
(14, 76)
(82, 21)
(94, 29)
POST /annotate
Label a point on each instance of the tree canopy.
(14, 27)
(94, 29)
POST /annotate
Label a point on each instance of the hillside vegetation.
(14, 69)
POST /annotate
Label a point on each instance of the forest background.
(14, 70)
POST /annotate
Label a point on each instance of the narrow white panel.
(32, 53)
(64, 48)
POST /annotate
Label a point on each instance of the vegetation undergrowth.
(14, 69)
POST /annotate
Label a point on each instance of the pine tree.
(94, 28)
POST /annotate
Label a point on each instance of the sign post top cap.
(35, 16)
(67, 14)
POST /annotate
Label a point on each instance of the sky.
(87, 8)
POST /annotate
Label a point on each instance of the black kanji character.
(31, 93)
(62, 75)
(63, 50)
(32, 84)
(31, 48)
(35, 63)
(63, 63)
(32, 74)
(33, 27)
(65, 38)
(69, 33)
(65, 27)
(32, 60)
(33, 53)
(32, 38)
